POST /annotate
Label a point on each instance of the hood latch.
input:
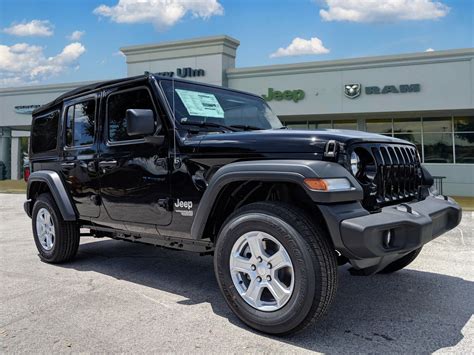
(331, 149)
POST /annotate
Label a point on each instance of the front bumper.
(375, 240)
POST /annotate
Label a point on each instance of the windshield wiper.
(208, 124)
(245, 127)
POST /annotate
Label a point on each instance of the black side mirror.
(141, 122)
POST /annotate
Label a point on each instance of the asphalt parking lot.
(124, 297)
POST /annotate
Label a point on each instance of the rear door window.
(44, 133)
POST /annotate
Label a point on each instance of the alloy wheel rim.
(262, 271)
(45, 229)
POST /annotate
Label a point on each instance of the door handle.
(91, 167)
(68, 165)
(107, 164)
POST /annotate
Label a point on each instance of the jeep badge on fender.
(197, 167)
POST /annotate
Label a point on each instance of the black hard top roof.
(86, 88)
(102, 84)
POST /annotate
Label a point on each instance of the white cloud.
(300, 46)
(161, 13)
(383, 11)
(40, 28)
(430, 50)
(22, 63)
(76, 35)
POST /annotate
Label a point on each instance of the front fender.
(294, 171)
(57, 189)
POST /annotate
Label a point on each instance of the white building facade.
(426, 98)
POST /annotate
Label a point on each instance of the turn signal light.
(329, 184)
(316, 184)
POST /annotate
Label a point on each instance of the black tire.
(401, 263)
(313, 258)
(67, 234)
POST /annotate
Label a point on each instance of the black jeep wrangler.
(201, 168)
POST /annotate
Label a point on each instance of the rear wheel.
(401, 263)
(57, 240)
(275, 268)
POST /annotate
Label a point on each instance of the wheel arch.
(49, 181)
(253, 178)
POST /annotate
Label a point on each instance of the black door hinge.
(96, 200)
(166, 203)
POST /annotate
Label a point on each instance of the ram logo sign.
(352, 90)
(392, 89)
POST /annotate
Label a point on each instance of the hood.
(281, 140)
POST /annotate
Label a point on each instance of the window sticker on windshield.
(200, 103)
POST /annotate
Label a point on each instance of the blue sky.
(35, 48)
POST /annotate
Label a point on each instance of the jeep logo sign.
(289, 95)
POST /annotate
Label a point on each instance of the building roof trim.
(41, 89)
(186, 44)
(355, 63)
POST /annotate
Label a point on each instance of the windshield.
(196, 104)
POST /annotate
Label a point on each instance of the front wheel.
(275, 268)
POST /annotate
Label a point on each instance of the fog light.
(387, 238)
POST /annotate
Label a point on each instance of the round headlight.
(355, 163)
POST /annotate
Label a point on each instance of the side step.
(198, 246)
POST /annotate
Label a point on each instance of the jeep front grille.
(390, 173)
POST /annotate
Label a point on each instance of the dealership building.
(426, 98)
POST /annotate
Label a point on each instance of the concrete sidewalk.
(124, 297)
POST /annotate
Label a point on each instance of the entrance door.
(79, 163)
(134, 174)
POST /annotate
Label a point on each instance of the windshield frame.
(186, 126)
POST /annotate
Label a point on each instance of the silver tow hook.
(403, 207)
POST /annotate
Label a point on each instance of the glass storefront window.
(320, 125)
(414, 138)
(464, 146)
(433, 136)
(379, 126)
(409, 125)
(345, 124)
(437, 124)
(297, 125)
(463, 124)
(438, 147)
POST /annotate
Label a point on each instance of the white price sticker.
(200, 103)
